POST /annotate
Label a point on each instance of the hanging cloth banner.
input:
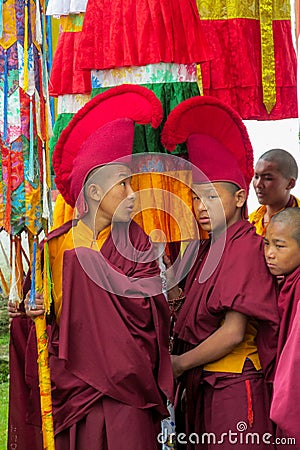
(267, 53)
(9, 30)
(254, 64)
(1, 18)
(14, 294)
(25, 86)
(38, 285)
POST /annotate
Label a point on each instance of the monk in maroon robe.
(109, 361)
(121, 384)
(219, 400)
(225, 337)
(124, 382)
(282, 253)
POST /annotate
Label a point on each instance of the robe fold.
(285, 409)
(288, 299)
(110, 349)
(251, 292)
(257, 216)
(24, 430)
(24, 415)
(240, 282)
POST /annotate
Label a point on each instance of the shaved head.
(106, 174)
(231, 187)
(285, 162)
(290, 217)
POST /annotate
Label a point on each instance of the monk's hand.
(176, 366)
(38, 309)
(13, 310)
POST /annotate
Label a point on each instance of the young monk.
(226, 332)
(282, 253)
(275, 175)
(109, 362)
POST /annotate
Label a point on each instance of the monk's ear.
(240, 198)
(291, 184)
(94, 192)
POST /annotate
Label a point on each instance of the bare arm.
(219, 344)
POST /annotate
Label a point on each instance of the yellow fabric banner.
(9, 35)
(265, 11)
(44, 383)
(267, 54)
(243, 9)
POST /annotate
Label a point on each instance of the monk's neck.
(273, 209)
(96, 225)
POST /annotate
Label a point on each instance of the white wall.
(266, 135)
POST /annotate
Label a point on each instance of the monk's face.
(215, 206)
(117, 196)
(282, 251)
(270, 186)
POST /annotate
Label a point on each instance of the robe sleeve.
(285, 407)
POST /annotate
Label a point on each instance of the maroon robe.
(285, 408)
(289, 296)
(240, 282)
(24, 418)
(109, 359)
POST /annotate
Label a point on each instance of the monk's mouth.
(204, 220)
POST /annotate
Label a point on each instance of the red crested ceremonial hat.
(217, 140)
(100, 133)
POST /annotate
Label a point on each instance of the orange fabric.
(172, 213)
(4, 283)
(257, 217)
(62, 212)
(79, 236)
(164, 202)
(234, 361)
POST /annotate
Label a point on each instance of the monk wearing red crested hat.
(225, 336)
(109, 362)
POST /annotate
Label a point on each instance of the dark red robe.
(285, 408)
(109, 358)
(288, 299)
(24, 419)
(240, 282)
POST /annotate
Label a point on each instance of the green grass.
(4, 339)
(3, 415)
